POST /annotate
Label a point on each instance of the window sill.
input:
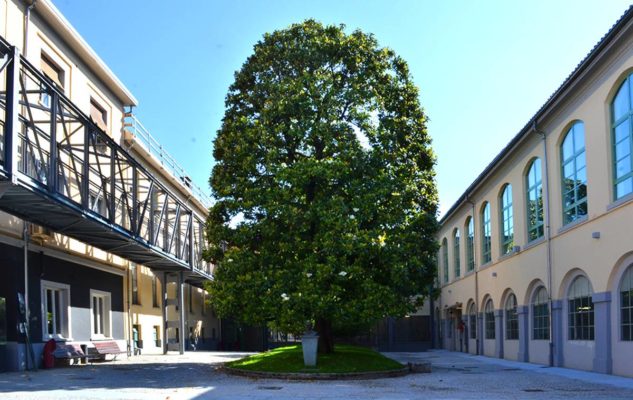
(573, 224)
(620, 202)
(100, 337)
(533, 243)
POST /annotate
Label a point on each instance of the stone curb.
(316, 376)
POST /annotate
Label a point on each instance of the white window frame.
(107, 315)
(64, 331)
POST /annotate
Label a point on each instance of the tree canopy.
(325, 191)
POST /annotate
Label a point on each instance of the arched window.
(534, 185)
(580, 310)
(489, 319)
(472, 321)
(456, 263)
(512, 319)
(626, 305)
(486, 255)
(622, 139)
(574, 174)
(540, 315)
(445, 259)
(470, 244)
(507, 224)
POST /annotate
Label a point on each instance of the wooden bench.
(69, 351)
(108, 347)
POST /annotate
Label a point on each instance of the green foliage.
(310, 222)
(343, 359)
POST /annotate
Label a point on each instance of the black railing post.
(112, 210)
(192, 221)
(12, 125)
(135, 206)
(85, 170)
(52, 155)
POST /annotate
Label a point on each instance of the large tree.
(324, 181)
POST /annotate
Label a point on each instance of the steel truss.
(58, 169)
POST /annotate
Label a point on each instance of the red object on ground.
(49, 358)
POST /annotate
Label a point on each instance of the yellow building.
(536, 257)
(101, 232)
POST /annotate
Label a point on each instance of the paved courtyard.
(193, 376)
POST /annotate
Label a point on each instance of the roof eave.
(61, 26)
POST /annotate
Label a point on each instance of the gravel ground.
(193, 376)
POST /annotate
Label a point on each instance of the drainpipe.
(477, 334)
(25, 237)
(27, 18)
(548, 237)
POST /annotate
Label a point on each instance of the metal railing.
(151, 145)
(59, 156)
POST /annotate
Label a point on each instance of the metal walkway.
(58, 169)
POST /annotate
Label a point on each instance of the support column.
(480, 333)
(557, 336)
(602, 361)
(499, 333)
(181, 313)
(524, 333)
(163, 287)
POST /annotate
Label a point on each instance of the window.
(98, 114)
(534, 185)
(540, 315)
(580, 310)
(155, 302)
(574, 174)
(3, 321)
(134, 282)
(456, 252)
(191, 299)
(97, 203)
(55, 73)
(204, 302)
(626, 305)
(55, 310)
(470, 245)
(489, 319)
(472, 321)
(100, 307)
(512, 319)
(622, 137)
(507, 235)
(156, 335)
(486, 255)
(445, 259)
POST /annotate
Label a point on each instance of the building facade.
(101, 232)
(536, 257)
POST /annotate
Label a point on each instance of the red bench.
(108, 347)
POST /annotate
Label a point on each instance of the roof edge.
(49, 13)
(530, 125)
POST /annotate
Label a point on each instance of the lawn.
(344, 359)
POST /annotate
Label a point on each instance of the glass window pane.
(579, 137)
(622, 131)
(568, 147)
(625, 187)
(621, 102)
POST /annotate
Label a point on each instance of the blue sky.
(483, 67)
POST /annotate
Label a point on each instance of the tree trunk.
(326, 341)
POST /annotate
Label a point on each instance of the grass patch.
(344, 359)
